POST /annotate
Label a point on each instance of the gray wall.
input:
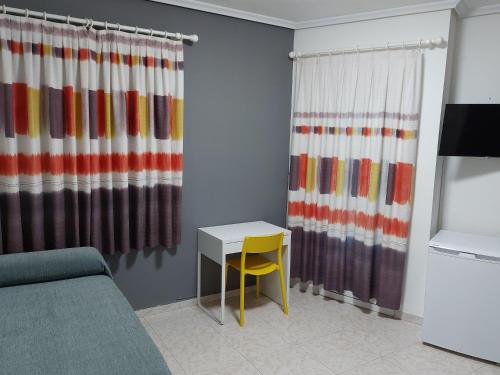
(237, 106)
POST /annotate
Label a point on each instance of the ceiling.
(298, 14)
(481, 3)
(306, 10)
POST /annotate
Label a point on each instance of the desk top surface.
(237, 232)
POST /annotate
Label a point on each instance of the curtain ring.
(150, 32)
(91, 24)
(45, 16)
(4, 9)
(165, 34)
(106, 25)
(26, 12)
(136, 30)
(178, 36)
(68, 19)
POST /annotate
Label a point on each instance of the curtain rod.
(422, 43)
(90, 23)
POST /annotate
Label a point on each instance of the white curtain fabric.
(353, 154)
(91, 128)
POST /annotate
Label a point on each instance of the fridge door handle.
(444, 250)
(467, 255)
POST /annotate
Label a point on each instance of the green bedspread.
(70, 323)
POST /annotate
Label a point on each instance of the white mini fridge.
(462, 298)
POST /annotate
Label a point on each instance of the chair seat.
(254, 264)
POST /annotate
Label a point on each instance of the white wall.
(395, 29)
(470, 198)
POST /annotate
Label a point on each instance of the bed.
(61, 313)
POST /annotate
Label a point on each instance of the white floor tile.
(381, 366)
(319, 336)
(182, 325)
(341, 351)
(421, 359)
(387, 335)
(173, 364)
(212, 357)
(283, 359)
(488, 370)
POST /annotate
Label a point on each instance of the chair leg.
(257, 286)
(242, 299)
(283, 291)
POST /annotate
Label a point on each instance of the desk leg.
(223, 291)
(198, 286)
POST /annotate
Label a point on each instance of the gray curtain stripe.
(389, 198)
(294, 172)
(369, 272)
(112, 220)
(325, 175)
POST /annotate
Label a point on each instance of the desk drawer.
(233, 247)
(236, 247)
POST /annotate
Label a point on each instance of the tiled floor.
(320, 336)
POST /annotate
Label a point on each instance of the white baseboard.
(349, 298)
(150, 311)
(346, 298)
(229, 294)
(412, 318)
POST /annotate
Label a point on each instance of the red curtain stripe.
(83, 164)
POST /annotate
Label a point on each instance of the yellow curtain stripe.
(33, 112)
(311, 174)
(143, 116)
(374, 178)
(110, 120)
(177, 119)
(339, 189)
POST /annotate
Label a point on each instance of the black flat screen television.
(471, 130)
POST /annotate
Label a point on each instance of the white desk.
(217, 242)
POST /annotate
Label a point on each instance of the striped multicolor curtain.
(352, 166)
(90, 138)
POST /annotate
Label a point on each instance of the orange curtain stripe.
(13, 165)
(403, 183)
(389, 226)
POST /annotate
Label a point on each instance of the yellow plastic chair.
(255, 264)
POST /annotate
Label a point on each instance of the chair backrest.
(263, 244)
